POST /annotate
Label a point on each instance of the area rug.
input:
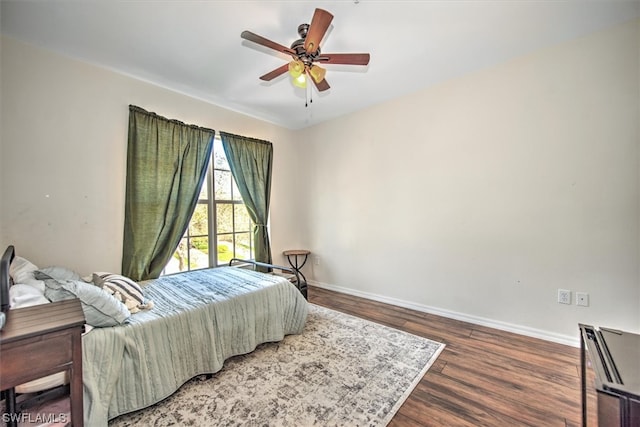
(341, 371)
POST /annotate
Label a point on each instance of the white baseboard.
(509, 327)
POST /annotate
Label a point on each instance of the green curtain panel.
(250, 161)
(167, 162)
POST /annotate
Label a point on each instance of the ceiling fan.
(306, 54)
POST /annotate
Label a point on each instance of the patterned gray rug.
(341, 371)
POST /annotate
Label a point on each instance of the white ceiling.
(194, 47)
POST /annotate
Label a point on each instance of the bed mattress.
(199, 319)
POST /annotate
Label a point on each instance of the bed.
(198, 320)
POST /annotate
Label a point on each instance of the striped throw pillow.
(123, 289)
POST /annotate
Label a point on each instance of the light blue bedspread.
(199, 319)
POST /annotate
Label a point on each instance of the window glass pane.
(178, 261)
(243, 245)
(199, 225)
(225, 248)
(223, 180)
(242, 218)
(224, 218)
(219, 158)
(199, 253)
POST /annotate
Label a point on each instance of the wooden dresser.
(42, 340)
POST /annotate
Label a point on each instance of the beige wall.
(480, 197)
(476, 199)
(64, 138)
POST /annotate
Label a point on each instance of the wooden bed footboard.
(290, 273)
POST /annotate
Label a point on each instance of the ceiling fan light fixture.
(317, 73)
(300, 81)
(296, 69)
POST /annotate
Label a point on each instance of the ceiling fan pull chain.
(308, 95)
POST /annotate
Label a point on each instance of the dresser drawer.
(35, 358)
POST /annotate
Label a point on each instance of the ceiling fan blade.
(318, 27)
(344, 58)
(275, 73)
(322, 86)
(252, 37)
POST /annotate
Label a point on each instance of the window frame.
(211, 202)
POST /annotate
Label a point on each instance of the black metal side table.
(293, 256)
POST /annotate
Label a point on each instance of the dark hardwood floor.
(484, 376)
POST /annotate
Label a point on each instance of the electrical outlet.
(316, 260)
(582, 299)
(564, 296)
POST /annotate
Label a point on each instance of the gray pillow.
(100, 309)
(58, 273)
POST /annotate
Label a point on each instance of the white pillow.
(35, 283)
(21, 295)
(21, 270)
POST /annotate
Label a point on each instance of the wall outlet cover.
(582, 299)
(564, 296)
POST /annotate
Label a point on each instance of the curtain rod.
(260, 141)
(152, 114)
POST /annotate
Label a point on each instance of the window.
(220, 228)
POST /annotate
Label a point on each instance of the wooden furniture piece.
(292, 256)
(41, 340)
(615, 358)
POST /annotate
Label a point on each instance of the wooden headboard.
(5, 280)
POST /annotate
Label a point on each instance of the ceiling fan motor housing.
(298, 46)
(303, 29)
